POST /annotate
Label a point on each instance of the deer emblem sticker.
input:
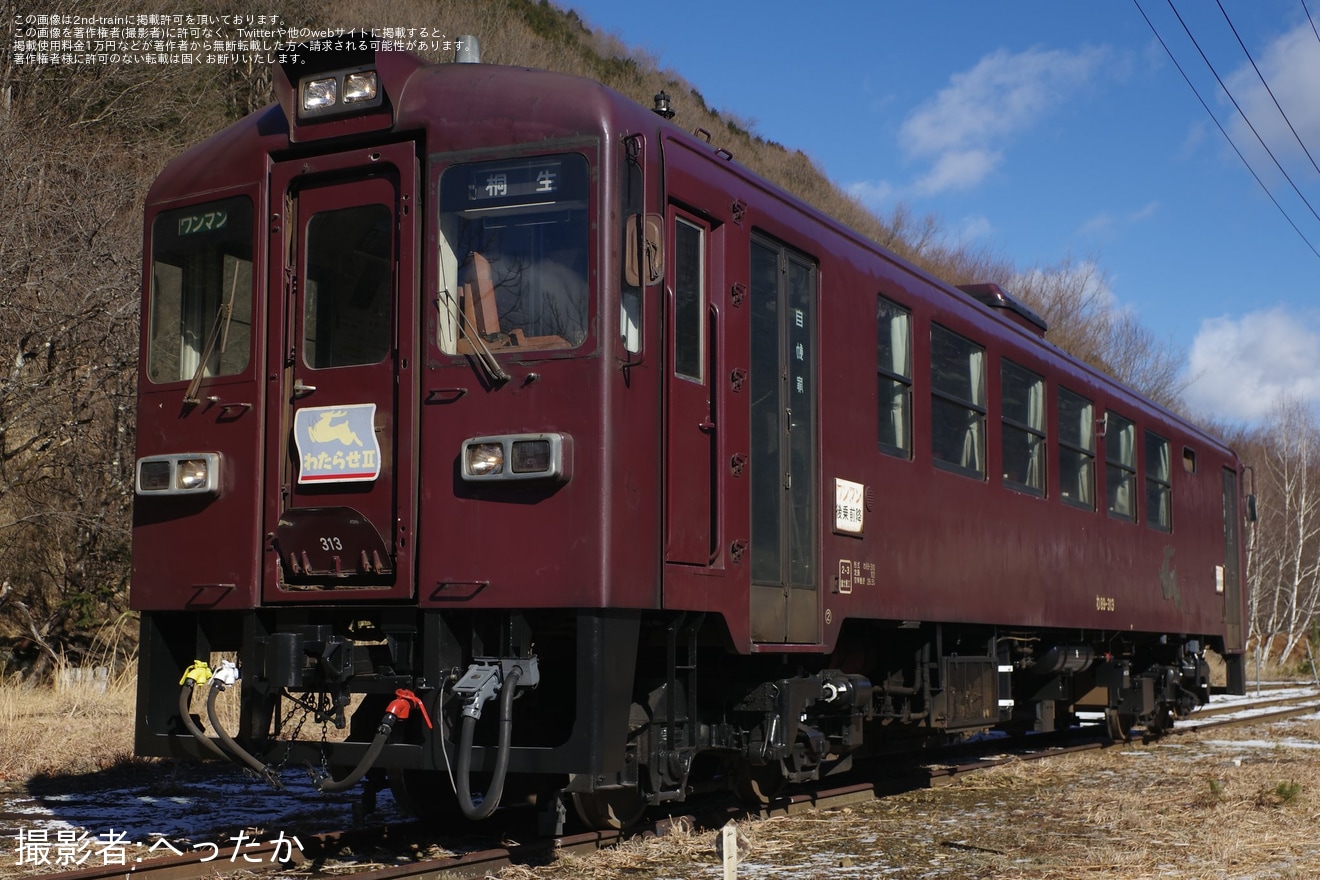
(337, 444)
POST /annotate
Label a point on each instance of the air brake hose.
(263, 770)
(331, 785)
(191, 679)
(496, 789)
(397, 709)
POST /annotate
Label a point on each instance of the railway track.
(317, 855)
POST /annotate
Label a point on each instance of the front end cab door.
(341, 462)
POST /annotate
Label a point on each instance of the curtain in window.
(1123, 456)
(1036, 420)
(974, 441)
(898, 345)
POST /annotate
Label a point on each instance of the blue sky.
(1048, 129)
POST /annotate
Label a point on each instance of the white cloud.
(877, 195)
(1105, 223)
(975, 227)
(1097, 225)
(1145, 212)
(958, 169)
(1291, 66)
(1241, 367)
(963, 128)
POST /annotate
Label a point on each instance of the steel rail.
(480, 863)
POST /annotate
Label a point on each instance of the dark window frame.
(689, 350)
(1120, 469)
(955, 407)
(1035, 436)
(187, 301)
(898, 383)
(1074, 450)
(329, 340)
(1159, 491)
(463, 230)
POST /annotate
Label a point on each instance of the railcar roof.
(489, 104)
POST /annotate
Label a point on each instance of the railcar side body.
(466, 384)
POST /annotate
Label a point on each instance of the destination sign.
(489, 183)
(209, 221)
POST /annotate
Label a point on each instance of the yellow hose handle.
(198, 673)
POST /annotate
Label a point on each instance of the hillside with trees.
(82, 145)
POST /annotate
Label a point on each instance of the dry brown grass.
(1188, 808)
(77, 728)
(1195, 807)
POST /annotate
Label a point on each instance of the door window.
(689, 300)
(783, 417)
(347, 320)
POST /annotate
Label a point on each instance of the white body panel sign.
(849, 506)
(337, 444)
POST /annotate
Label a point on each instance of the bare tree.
(1284, 563)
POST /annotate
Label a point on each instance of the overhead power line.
(1261, 76)
(1240, 111)
(1311, 20)
(1224, 131)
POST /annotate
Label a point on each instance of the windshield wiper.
(480, 351)
(219, 331)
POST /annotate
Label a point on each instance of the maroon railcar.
(465, 384)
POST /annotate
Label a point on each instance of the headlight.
(360, 87)
(528, 457)
(484, 459)
(193, 473)
(318, 94)
(338, 93)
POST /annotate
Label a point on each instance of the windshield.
(201, 287)
(514, 254)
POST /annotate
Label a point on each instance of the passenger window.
(1121, 466)
(1159, 488)
(1023, 406)
(957, 378)
(894, 372)
(1076, 450)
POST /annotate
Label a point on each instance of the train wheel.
(1160, 724)
(610, 809)
(1119, 724)
(758, 785)
(425, 794)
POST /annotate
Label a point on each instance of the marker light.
(528, 457)
(531, 456)
(153, 476)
